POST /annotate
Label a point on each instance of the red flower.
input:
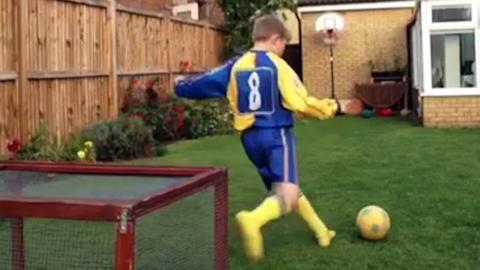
(136, 83)
(180, 122)
(13, 146)
(185, 65)
(149, 84)
(168, 120)
(137, 103)
(126, 104)
(180, 108)
(163, 98)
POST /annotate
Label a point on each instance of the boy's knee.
(288, 194)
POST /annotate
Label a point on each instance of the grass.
(428, 180)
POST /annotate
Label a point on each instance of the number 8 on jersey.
(256, 91)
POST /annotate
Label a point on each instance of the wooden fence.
(67, 63)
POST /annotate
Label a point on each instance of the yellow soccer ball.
(373, 223)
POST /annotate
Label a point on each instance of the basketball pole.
(330, 25)
(332, 75)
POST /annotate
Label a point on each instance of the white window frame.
(428, 27)
(452, 25)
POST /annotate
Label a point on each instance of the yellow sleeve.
(295, 96)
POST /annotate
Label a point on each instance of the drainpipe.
(300, 43)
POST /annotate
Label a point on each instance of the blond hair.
(265, 26)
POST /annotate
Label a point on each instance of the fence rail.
(66, 63)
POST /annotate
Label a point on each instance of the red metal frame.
(200, 178)
(16, 227)
(18, 249)
(125, 247)
(221, 226)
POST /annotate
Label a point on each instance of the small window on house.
(453, 60)
(457, 13)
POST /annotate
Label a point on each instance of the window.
(460, 13)
(453, 60)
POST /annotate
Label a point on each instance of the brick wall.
(370, 35)
(445, 112)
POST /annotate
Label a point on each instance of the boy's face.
(278, 44)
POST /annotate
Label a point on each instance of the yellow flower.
(88, 144)
(81, 155)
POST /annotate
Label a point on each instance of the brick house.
(435, 39)
(445, 45)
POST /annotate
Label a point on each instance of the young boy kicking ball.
(264, 94)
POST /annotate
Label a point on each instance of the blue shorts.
(273, 152)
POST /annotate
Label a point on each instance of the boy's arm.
(296, 98)
(212, 84)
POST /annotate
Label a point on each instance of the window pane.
(453, 60)
(452, 13)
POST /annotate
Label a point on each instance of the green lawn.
(428, 180)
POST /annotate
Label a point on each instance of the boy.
(264, 92)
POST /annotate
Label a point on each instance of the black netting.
(179, 236)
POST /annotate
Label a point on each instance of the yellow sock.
(308, 214)
(250, 224)
(270, 209)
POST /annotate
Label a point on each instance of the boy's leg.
(251, 222)
(306, 211)
(284, 164)
(275, 161)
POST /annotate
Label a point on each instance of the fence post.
(21, 47)
(169, 50)
(204, 45)
(112, 35)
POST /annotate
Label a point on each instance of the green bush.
(207, 118)
(171, 118)
(72, 146)
(122, 139)
(42, 146)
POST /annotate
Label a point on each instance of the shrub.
(42, 146)
(171, 118)
(122, 139)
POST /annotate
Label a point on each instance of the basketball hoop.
(330, 25)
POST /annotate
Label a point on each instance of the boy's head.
(270, 32)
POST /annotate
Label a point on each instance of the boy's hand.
(327, 107)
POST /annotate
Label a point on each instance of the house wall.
(371, 35)
(447, 112)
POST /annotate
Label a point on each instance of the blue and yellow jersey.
(263, 91)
